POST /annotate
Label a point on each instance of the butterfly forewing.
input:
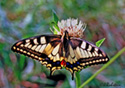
(39, 48)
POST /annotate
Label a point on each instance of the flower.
(74, 28)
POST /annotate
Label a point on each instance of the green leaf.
(99, 42)
(54, 23)
(55, 18)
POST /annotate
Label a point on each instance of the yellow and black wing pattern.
(56, 51)
(44, 48)
(82, 54)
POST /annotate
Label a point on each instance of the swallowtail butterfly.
(62, 50)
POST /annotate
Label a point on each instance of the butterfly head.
(65, 36)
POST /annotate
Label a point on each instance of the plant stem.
(77, 79)
(101, 69)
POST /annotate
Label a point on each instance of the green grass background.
(26, 18)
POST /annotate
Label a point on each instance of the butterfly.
(58, 51)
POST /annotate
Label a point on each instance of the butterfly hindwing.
(83, 54)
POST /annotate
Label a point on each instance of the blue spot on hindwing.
(77, 63)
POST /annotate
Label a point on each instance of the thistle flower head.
(74, 28)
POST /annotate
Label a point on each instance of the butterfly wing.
(82, 53)
(44, 48)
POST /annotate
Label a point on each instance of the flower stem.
(101, 69)
(77, 79)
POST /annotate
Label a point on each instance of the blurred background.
(26, 18)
